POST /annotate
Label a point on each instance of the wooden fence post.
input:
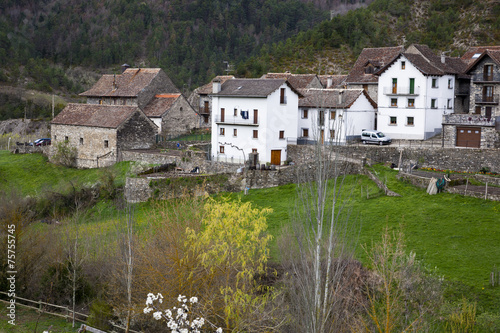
(486, 192)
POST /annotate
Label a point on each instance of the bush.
(100, 315)
(65, 155)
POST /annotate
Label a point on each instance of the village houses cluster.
(408, 94)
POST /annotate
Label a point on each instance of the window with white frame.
(449, 104)
(434, 83)
(434, 103)
(393, 121)
(410, 121)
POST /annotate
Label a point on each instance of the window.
(393, 121)
(403, 64)
(412, 86)
(282, 96)
(222, 114)
(305, 114)
(244, 114)
(66, 138)
(81, 141)
(332, 134)
(55, 137)
(206, 106)
(410, 121)
(394, 102)
(255, 116)
(488, 73)
(235, 112)
(106, 143)
(321, 119)
(235, 132)
(434, 83)
(487, 112)
(255, 134)
(488, 94)
(254, 150)
(411, 102)
(221, 149)
(205, 119)
(369, 69)
(449, 104)
(434, 103)
(478, 110)
(450, 84)
(394, 86)
(332, 114)
(305, 132)
(282, 135)
(222, 131)
(180, 109)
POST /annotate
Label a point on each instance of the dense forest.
(43, 41)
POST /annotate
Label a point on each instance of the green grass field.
(458, 235)
(27, 320)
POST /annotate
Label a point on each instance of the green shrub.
(65, 155)
(100, 315)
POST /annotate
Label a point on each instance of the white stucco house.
(415, 90)
(253, 119)
(334, 116)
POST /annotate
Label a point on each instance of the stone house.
(415, 89)
(478, 126)
(144, 87)
(202, 100)
(370, 61)
(334, 116)
(172, 114)
(100, 132)
(253, 119)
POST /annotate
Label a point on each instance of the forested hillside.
(63, 46)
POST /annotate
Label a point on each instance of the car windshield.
(380, 134)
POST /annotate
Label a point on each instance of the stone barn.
(100, 132)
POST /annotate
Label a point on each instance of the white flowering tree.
(179, 319)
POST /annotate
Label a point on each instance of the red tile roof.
(468, 56)
(332, 98)
(208, 89)
(94, 115)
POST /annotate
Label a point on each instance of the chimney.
(216, 86)
(114, 82)
(125, 67)
(329, 82)
(341, 97)
(443, 59)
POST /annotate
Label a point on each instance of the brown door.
(222, 114)
(276, 157)
(322, 136)
(255, 116)
(469, 137)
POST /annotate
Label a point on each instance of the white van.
(376, 137)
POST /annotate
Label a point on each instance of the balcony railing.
(236, 121)
(204, 110)
(482, 99)
(467, 119)
(402, 91)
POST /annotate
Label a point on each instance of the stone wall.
(456, 159)
(180, 119)
(138, 132)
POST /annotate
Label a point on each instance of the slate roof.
(380, 56)
(252, 87)
(337, 80)
(208, 89)
(128, 84)
(160, 104)
(94, 115)
(298, 81)
(468, 56)
(329, 98)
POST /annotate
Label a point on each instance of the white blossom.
(157, 315)
(193, 300)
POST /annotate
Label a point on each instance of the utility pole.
(52, 106)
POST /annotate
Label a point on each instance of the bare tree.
(321, 258)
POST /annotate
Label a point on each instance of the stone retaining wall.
(456, 159)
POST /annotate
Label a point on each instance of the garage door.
(276, 157)
(469, 137)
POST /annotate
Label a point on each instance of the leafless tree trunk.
(127, 250)
(322, 256)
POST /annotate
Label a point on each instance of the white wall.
(426, 121)
(272, 118)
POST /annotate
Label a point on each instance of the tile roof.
(160, 104)
(94, 115)
(250, 87)
(330, 98)
(207, 88)
(468, 56)
(494, 54)
(128, 84)
(298, 81)
(337, 80)
(379, 56)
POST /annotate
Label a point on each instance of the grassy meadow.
(458, 236)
